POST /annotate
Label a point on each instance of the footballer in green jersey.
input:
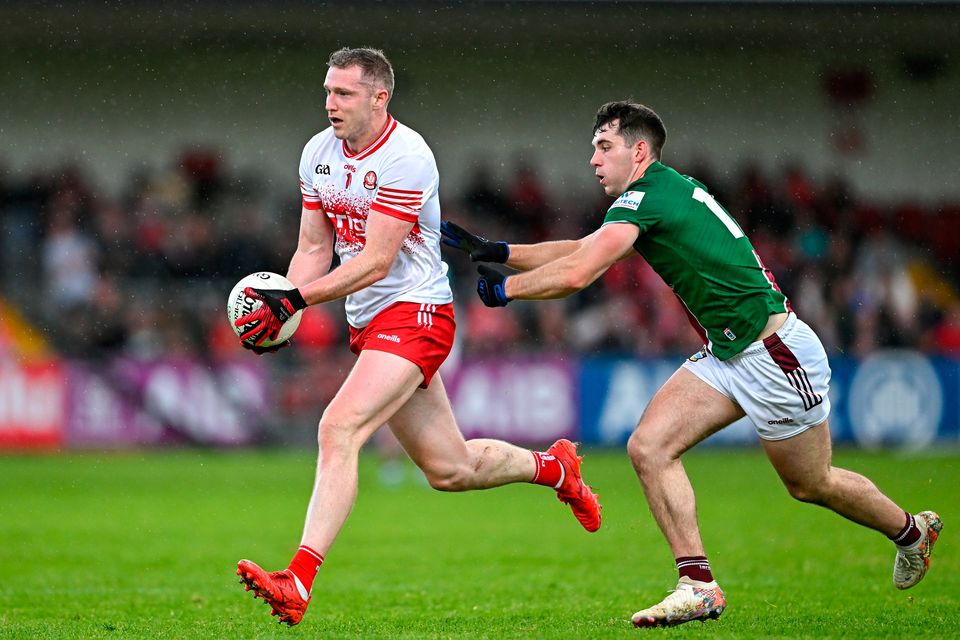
(703, 255)
(763, 362)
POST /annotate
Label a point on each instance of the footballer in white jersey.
(382, 207)
(396, 175)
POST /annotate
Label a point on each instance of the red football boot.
(278, 589)
(573, 490)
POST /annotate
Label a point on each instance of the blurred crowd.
(147, 272)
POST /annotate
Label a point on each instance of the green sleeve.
(630, 207)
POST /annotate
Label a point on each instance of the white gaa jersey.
(396, 175)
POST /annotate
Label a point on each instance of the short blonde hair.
(377, 70)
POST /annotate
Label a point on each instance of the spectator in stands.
(69, 260)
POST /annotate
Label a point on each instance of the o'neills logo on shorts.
(384, 336)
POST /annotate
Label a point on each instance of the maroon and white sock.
(304, 567)
(909, 534)
(550, 472)
(695, 568)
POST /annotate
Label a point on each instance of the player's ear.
(380, 98)
(641, 149)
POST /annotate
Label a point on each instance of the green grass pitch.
(144, 545)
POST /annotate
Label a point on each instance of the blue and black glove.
(490, 287)
(479, 249)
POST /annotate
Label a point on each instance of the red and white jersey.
(396, 175)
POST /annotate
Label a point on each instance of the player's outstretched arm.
(526, 257)
(564, 276)
(521, 257)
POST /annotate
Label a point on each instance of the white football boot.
(913, 561)
(691, 600)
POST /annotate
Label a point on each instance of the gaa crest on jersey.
(629, 200)
(370, 180)
(699, 355)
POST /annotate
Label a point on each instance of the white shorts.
(781, 382)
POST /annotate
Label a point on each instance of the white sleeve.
(407, 182)
(311, 198)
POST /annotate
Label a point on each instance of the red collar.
(389, 128)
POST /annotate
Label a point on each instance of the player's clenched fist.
(490, 287)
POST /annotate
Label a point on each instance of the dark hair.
(376, 68)
(635, 121)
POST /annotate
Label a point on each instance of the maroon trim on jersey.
(373, 146)
(379, 207)
(768, 274)
(788, 363)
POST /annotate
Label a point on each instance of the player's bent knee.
(645, 452)
(448, 478)
(805, 491)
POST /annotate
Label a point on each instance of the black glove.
(265, 321)
(490, 287)
(262, 350)
(479, 249)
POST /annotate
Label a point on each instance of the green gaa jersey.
(703, 255)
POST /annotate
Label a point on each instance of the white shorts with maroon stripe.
(781, 382)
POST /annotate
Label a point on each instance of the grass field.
(145, 546)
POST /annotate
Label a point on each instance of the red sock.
(549, 471)
(909, 534)
(695, 568)
(305, 564)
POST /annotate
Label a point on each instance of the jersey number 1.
(702, 196)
